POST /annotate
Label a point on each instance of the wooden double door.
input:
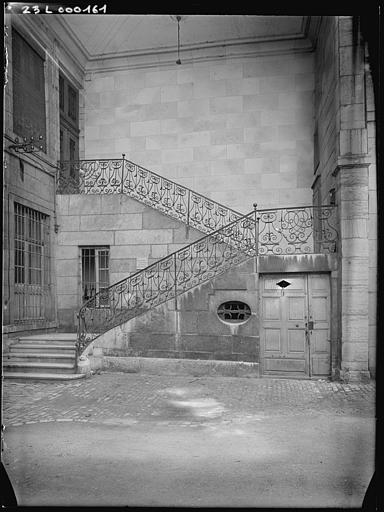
(295, 325)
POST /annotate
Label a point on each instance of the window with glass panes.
(72, 103)
(69, 122)
(95, 274)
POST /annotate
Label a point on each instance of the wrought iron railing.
(261, 232)
(169, 277)
(121, 176)
(297, 230)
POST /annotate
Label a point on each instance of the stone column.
(352, 192)
(352, 181)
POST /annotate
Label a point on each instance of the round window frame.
(248, 312)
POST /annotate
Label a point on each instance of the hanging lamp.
(178, 18)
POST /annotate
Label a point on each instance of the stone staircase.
(231, 238)
(49, 357)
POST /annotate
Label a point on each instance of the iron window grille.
(234, 311)
(31, 264)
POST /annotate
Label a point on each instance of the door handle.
(310, 325)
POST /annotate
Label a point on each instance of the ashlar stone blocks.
(217, 111)
(135, 234)
(190, 328)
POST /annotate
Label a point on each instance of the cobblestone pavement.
(124, 398)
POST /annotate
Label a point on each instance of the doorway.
(295, 325)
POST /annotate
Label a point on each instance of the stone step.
(37, 367)
(49, 340)
(47, 343)
(42, 347)
(39, 357)
(21, 376)
(52, 336)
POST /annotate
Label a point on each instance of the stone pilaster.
(352, 188)
(352, 192)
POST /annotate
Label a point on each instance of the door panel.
(288, 347)
(319, 340)
(319, 313)
(283, 324)
(272, 308)
(272, 340)
(296, 366)
(296, 308)
(296, 342)
(320, 308)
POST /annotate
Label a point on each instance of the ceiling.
(102, 44)
(114, 35)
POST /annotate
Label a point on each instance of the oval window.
(234, 311)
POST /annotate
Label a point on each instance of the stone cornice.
(356, 162)
(312, 28)
(199, 54)
(303, 41)
(68, 40)
(45, 38)
(70, 49)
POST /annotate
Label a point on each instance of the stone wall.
(136, 234)
(372, 222)
(31, 187)
(326, 107)
(238, 130)
(344, 113)
(191, 328)
(29, 178)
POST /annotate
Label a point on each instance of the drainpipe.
(77, 348)
(8, 298)
(177, 313)
(188, 214)
(56, 226)
(256, 237)
(122, 173)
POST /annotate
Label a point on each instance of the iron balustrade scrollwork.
(231, 239)
(261, 232)
(121, 176)
(90, 176)
(173, 275)
(298, 230)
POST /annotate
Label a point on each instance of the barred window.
(30, 245)
(31, 265)
(234, 311)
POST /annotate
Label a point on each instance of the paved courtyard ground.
(148, 440)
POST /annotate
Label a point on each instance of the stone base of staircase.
(52, 357)
(42, 357)
(20, 376)
(192, 367)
